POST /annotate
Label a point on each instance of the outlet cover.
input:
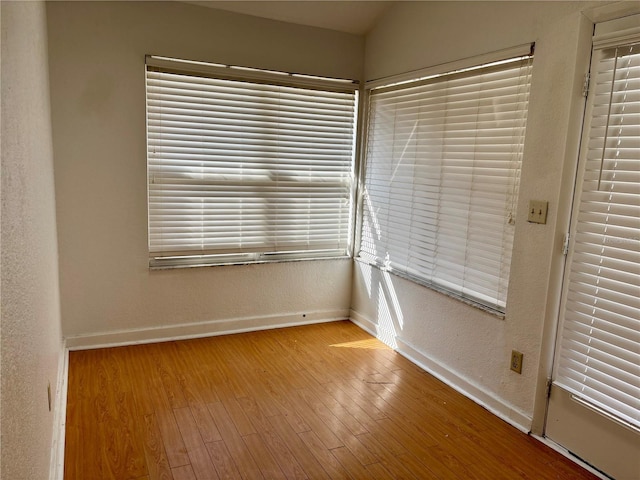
(538, 211)
(516, 361)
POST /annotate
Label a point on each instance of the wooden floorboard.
(323, 401)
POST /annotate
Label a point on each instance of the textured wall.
(474, 345)
(96, 53)
(31, 339)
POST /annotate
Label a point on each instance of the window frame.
(460, 66)
(275, 79)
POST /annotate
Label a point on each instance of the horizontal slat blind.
(442, 174)
(245, 167)
(599, 357)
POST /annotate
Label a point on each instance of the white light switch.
(538, 211)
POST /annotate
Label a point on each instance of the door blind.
(442, 174)
(247, 169)
(599, 358)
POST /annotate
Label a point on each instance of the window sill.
(195, 261)
(431, 286)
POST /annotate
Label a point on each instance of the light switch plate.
(538, 211)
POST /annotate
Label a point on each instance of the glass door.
(594, 407)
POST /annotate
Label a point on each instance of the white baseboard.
(239, 325)
(483, 398)
(56, 467)
(365, 324)
(495, 405)
(201, 329)
(160, 334)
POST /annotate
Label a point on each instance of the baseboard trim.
(154, 335)
(365, 324)
(498, 407)
(201, 329)
(241, 325)
(56, 467)
(488, 401)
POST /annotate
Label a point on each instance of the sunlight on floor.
(369, 344)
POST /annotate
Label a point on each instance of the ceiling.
(356, 17)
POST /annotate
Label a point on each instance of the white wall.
(468, 347)
(107, 292)
(96, 52)
(31, 337)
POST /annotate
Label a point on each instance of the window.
(443, 156)
(599, 353)
(247, 165)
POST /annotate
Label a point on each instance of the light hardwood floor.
(323, 401)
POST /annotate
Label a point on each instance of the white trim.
(610, 11)
(56, 466)
(125, 337)
(494, 405)
(617, 32)
(566, 453)
(487, 400)
(209, 328)
(517, 51)
(249, 73)
(432, 285)
(617, 38)
(232, 259)
(368, 326)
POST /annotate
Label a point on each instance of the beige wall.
(107, 293)
(98, 113)
(469, 347)
(30, 325)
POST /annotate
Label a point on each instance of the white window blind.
(247, 169)
(599, 355)
(443, 158)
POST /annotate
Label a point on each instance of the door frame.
(583, 51)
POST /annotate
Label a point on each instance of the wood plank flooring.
(323, 401)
